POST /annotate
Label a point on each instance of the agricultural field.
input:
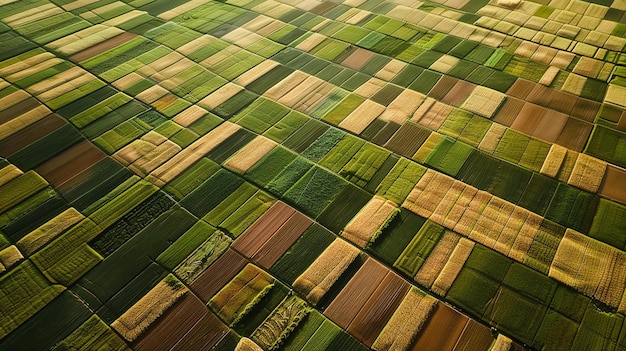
(259, 175)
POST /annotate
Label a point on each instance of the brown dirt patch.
(218, 274)
(475, 337)
(379, 308)
(459, 93)
(528, 118)
(521, 88)
(357, 59)
(442, 330)
(102, 47)
(173, 325)
(251, 241)
(612, 186)
(586, 109)
(550, 126)
(509, 110)
(355, 294)
(69, 163)
(575, 134)
(281, 240)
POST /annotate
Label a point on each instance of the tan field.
(177, 164)
(362, 116)
(365, 226)
(152, 305)
(49, 230)
(437, 259)
(453, 266)
(250, 154)
(316, 281)
(588, 173)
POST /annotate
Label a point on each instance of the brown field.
(355, 294)
(575, 134)
(166, 332)
(278, 243)
(218, 274)
(357, 59)
(442, 330)
(69, 163)
(475, 337)
(374, 315)
(443, 86)
(612, 186)
(459, 93)
(255, 237)
(508, 111)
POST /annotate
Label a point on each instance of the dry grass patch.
(219, 96)
(502, 344)
(362, 116)
(511, 230)
(286, 85)
(390, 70)
(370, 221)
(574, 84)
(84, 39)
(250, 154)
(616, 94)
(369, 88)
(492, 138)
(473, 212)
(444, 63)
(317, 280)
(588, 173)
(428, 193)
(403, 106)
(491, 222)
(190, 115)
(553, 161)
(525, 238)
(484, 101)
(437, 259)
(591, 267)
(452, 268)
(49, 230)
(192, 153)
(138, 318)
(299, 94)
(406, 322)
(310, 42)
(55, 81)
(8, 173)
